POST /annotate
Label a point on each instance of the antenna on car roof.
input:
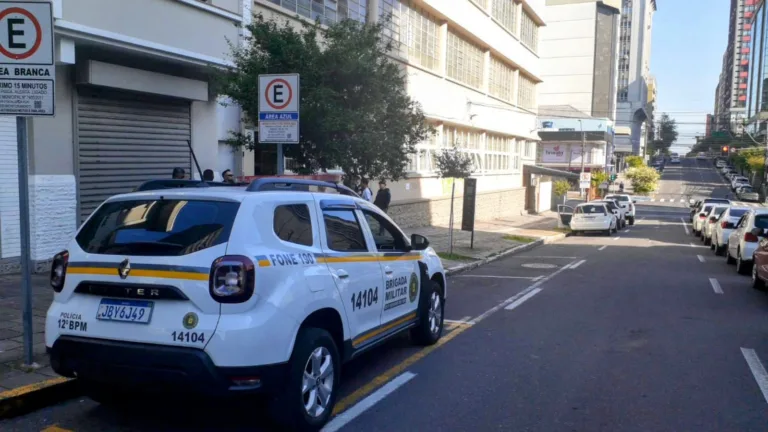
(194, 158)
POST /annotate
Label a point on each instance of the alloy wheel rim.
(435, 313)
(317, 383)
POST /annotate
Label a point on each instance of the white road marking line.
(616, 238)
(628, 230)
(661, 200)
(578, 264)
(693, 245)
(758, 371)
(603, 247)
(497, 277)
(515, 297)
(523, 299)
(685, 226)
(701, 258)
(347, 416)
(548, 257)
(715, 286)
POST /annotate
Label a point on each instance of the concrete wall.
(568, 55)
(194, 28)
(606, 63)
(488, 205)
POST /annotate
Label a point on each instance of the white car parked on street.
(593, 217)
(221, 291)
(700, 218)
(724, 226)
(626, 202)
(711, 222)
(737, 181)
(743, 240)
(616, 209)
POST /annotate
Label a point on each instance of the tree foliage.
(561, 187)
(599, 176)
(667, 132)
(634, 161)
(355, 110)
(644, 179)
(453, 163)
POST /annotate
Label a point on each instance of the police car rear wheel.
(307, 401)
(431, 308)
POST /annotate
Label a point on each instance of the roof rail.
(180, 183)
(282, 183)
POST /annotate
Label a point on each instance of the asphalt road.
(642, 331)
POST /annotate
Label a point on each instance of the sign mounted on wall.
(27, 63)
(554, 153)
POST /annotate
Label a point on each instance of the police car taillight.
(232, 279)
(59, 270)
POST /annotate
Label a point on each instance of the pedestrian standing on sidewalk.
(621, 187)
(365, 191)
(208, 175)
(383, 197)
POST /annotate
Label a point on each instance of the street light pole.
(583, 155)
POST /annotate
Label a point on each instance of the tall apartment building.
(474, 67)
(731, 108)
(757, 101)
(634, 70)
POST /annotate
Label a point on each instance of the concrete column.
(372, 11)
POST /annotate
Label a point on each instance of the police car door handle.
(342, 274)
(388, 270)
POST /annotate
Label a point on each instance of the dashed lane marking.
(341, 420)
(715, 286)
(685, 226)
(500, 277)
(701, 258)
(577, 264)
(602, 247)
(758, 370)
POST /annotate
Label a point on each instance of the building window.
(526, 92)
(529, 32)
(465, 61)
(530, 149)
(625, 32)
(498, 152)
(327, 11)
(414, 32)
(505, 12)
(469, 141)
(501, 80)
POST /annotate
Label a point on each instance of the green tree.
(355, 110)
(453, 163)
(634, 161)
(644, 179)
(667, 132)
(598, 177)
(561, 188)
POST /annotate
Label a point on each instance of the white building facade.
(132, 89)
(474, 67)
(635, 69)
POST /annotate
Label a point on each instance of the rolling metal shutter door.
(126, 139)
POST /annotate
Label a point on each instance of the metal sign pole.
(280, 160)
(26, 282)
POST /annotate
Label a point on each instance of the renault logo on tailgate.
(124, 268)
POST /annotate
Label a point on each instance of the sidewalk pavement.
(492, 238)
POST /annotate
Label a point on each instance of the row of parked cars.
(739, 184)
(606, 215)
(738, 233)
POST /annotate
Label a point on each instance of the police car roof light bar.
(281, 183)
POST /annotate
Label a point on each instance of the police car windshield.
(617, 197)
(157, 227)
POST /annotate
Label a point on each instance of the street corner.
(41, 392)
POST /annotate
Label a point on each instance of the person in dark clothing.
(178, 173)
(228, 177)
(383, 197)
(208, 175)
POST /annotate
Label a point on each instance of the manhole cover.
(540, 265)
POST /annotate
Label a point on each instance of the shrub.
(634, 161)
(643, 179)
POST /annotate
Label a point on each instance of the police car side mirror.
(419, 242)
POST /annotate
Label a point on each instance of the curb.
(512, 251)
(25, 399)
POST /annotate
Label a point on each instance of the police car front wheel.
(431, 307)
(307, 401)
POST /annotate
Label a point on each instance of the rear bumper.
(595, 226)
(158, 367)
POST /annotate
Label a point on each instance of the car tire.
(757, 283)
(728, 258)
(288, 406)
(607, 232)
(720, 249)
(431, 316)
(711, 245)
(631, 221)
(742, 267)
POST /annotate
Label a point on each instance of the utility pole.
(583, 155)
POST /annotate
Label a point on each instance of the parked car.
(742, 242)
(675, 161)
(696, 205)
(711, 223)
(701, 156)
(701, 218)
(760, 261)
(720, 163)
(628, 203)
(593, 217)
(616, 209)
(236, 292)
(746, 193)
(738, 180)
(723, 228)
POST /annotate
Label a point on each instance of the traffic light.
(613, 177)
(725, 150)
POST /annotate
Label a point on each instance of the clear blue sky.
(689, 38)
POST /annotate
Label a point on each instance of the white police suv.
(235, 290)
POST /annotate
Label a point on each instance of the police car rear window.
(157, 227)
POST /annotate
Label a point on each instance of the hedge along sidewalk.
(24, 389)
(493, 239)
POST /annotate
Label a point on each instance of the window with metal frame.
(464, 61)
